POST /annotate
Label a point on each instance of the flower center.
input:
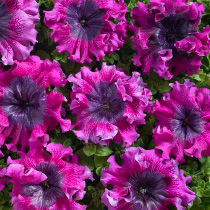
(105, 104)
(24, 102)
(85, 20)
(4, 20)
(45, 193)
(142, 191)
(171, 29)
(148, 190)
(82, 22)
(45, 184)
(187, 123)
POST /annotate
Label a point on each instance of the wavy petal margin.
(110, 38)
(44, 73)
(137, 160)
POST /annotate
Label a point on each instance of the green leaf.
(95, 205)
(163, 86)
(192, 166)
(43, 55)
(197, 208)
(67, 142)
(206, 166)
(60, 56)
(110, 60)
(65, 91)
(147, 129)
(206, 193)
(103, 151)
(48, 3)
(84, 160)
(151, 145)
(131, 4)
(138, 143)
(89, 149)
(98, 171)
(43, 32)
(2, 163)
(115, 56)
(100, 161)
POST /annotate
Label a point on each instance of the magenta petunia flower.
(27, 109)
(108, 104)
(184, 122)
(145, 181)
(84, 28)
(44, 181)
(17, 29)
(166, 37)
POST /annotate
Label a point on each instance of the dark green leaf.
(89, 149)
(103, 151)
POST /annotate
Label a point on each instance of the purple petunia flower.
(167, 39)
(184, 123)
(17, 29)
(108, 104)
(27, 109)
(84, 29)
(145, 181)
(44, 181)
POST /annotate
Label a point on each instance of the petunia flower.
(184, 122)
(85, 28)
(27, 109)
(43, 181)
(166, 37)
(108, 104)
(17, 29)
(145, 181)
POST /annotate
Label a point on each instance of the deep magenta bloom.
(108, 104)
(27, 109)
(44, 181)
(84, 29)
(17, 29)
(184, 122)
(166, 37)
(145, 181)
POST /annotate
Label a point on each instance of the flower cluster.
(166, 37)
(27, 109)
(108, 104)
(184, 123)
(44, 181)
(84, 28)
(145, 181)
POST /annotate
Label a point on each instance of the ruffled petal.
(108, 39)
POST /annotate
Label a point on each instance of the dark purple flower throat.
(45, 193)
(148, 190)
(187, 123)
(105, 103)
(24, 102)
(171, 29)
(85, 20)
